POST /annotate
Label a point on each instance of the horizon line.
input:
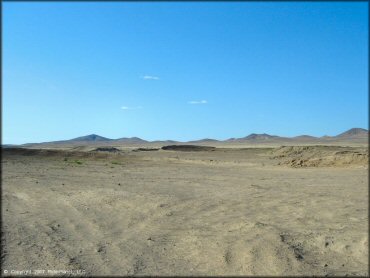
(192, 140)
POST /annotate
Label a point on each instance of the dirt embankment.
(106, 149)
(57, 153)
(188, 148)
(321, 156)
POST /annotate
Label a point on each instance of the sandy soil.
(220, 212)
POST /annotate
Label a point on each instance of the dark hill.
(90, 138)
(188, 148)
(131, 140)
(354, 132)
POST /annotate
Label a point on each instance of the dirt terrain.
(306, 156)
(223, 211)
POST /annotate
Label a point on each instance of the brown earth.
(316, 156)
(221, 212)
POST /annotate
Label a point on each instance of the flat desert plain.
(223, 211)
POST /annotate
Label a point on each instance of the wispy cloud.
(198, 102)
(131, 107)
(150, 77)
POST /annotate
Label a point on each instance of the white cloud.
(131, 108)
(150, 77)
(198, 102)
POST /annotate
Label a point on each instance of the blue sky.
(183, 71)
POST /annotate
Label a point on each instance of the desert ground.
(191, 211)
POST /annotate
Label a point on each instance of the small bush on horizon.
(78, 162)
(116, 162)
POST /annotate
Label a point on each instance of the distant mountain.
(354, 132)
(255, 137)
(78, 140)
(131, 140)
(305, 137)
(205, 140)
(167, 142)
(97, 138)
(354, 135)
(90, 138)
(4, 146)
(263, 136)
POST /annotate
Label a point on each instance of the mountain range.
(351, 134)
